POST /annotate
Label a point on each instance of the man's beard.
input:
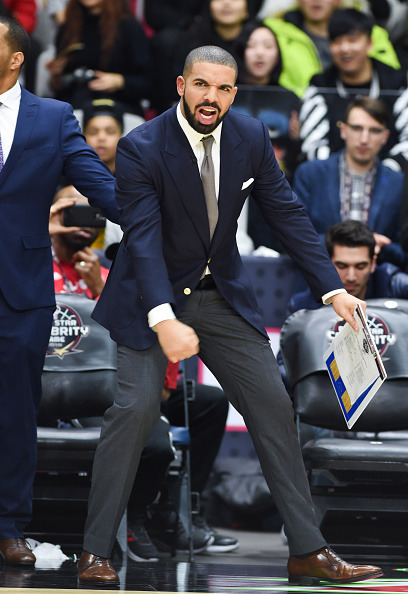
(78, 244)
(197, 125)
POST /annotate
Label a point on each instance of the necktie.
(208, 180)
(1, 151)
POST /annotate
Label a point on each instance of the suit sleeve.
(84, 169)
(141, 222)
(286, 215)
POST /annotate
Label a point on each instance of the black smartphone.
(83, 215)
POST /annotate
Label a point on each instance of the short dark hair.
(16, 37)
(344, 21)
(212, 54)
(376, 108)
(350, 233)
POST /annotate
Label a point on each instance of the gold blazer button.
(187, 291)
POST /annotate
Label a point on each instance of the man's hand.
(380, 242)
(106, 81)
(344, 305)
(88, 267)
(55, 224)
(177, 340)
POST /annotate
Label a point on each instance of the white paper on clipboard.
(355, 368)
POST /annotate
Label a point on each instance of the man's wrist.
(160, 313)
(327, 297)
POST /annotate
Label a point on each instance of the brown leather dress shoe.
(14, 551)
(326, 566)
(96, 570)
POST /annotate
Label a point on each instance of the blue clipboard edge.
(337, 386)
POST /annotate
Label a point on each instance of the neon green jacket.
(300, 60)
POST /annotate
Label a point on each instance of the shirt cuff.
(159, 314)
(327, 296)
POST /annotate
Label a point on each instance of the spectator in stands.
(24, 11)
(353, 183)
(353, 72)
(103, 127)
(102, 51)
(260, 64)
(393, 16)
(77, 270)
(351, 246)
(313, 19)
(76, 266)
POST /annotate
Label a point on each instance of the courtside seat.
(359, 478)
(79, 380)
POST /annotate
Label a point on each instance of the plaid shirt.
(355, 192)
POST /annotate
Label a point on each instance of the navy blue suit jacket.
(317, 184)
(166, 243)
(47, 143)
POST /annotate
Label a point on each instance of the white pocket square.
(247, 183)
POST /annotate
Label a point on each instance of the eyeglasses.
(358, 130)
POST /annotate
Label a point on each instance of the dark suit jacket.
(166, 243)
(47, 143)
(317, 183)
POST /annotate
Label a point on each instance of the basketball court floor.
(258, 566)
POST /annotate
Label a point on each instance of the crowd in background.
(300, 65)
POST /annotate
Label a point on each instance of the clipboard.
(355, 368)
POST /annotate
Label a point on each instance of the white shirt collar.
(193, 137)
(11, 98)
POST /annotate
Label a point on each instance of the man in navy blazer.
(168, 266)
(40, 141)
(354, 184)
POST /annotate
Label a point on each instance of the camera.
(80, 76)
(83, 215)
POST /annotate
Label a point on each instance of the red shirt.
(65, 273)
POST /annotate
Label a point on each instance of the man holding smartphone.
(77, 267)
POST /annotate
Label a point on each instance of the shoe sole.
(313, 581)
(222, 549)
(140, 559)
(98, 584)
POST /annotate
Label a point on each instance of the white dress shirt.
(164, 311)
(10, 104)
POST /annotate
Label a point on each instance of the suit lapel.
(25, 122)
(232, 158)
(378, 198)
(333, 190)
(182, 165)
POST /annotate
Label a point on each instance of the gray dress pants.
(241, 359)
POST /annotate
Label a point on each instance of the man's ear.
(17, 60)
(181, 85)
